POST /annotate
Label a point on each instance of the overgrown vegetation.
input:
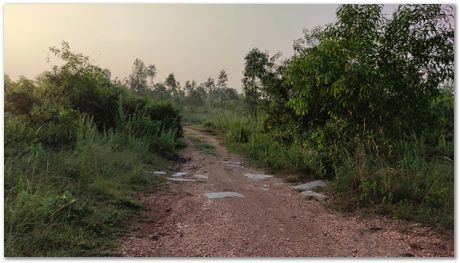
(77, 147)
(366, 102)
(203, 146)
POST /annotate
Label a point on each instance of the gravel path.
(272, 219)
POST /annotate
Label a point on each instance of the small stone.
(310, 186)
(257, 177)
(233, 163)
(217, 195)
(201, 177)
(179, 174)
(314, 195)
(180, 180)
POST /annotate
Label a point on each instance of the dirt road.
(270, 220)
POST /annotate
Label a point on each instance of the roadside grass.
(245, 136)
(413, 187)
(203, 146)
(74, 202)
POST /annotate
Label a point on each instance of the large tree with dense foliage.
(365, 73)
(375, 73)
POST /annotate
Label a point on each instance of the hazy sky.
(191, 41)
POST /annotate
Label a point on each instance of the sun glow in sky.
(192, 41)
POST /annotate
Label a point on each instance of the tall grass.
(411, 187)
(193, 115)
(72, 202)
(244, 134)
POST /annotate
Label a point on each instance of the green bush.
(164, 114)
(77, 148)
(54, 128)
(45, 125)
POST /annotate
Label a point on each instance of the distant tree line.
(209, 93)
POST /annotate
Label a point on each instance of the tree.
(190, 86)
(151, 73)
(8, 83)
(174, 86)
(221, 86)
(368, 74)
(255, 68)
(209, 85)
(19, 96)
(228, 94)
(171, 81)
(222, 79)
(197, 97)
(137, 80)
(160, 92)
(75, 63)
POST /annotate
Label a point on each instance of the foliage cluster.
(77, 147)
(366, 101)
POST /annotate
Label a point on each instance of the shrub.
(75, 153)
